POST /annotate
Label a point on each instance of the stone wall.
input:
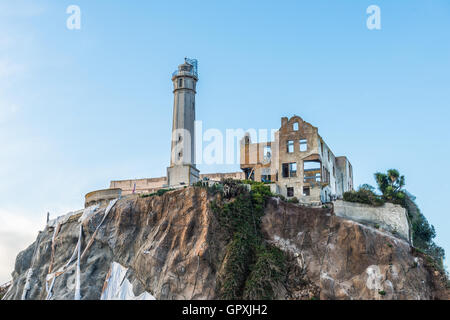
(389, 217)
(154, 184)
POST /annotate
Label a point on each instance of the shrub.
(364, 195)
(160, 192)
(293, 200)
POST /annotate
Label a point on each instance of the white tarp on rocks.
(62, 219)
(88, 213)
(117, 287)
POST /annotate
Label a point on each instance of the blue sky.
(79, 108)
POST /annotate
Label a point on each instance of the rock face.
(344, 259)
(171, 247)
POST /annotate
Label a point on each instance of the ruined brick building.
(297, 163)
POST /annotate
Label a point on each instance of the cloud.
(17, 232)
(9, 69)
(7, 111)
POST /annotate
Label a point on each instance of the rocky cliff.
(174, 246)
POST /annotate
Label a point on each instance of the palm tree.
(391, 185)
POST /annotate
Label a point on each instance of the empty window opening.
(267, 152)
(312, 171)
(293, 169)
(290, 146)
(306, 191)
(265, 175)
(249, 174)
(285, 170)
(180, 83)
(326, 175)
(289, 170)
(295, 126)
(303, 145)
(290, 192)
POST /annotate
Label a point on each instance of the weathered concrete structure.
(389, 217)
(182, 170)
(298, 163)
(102, 197)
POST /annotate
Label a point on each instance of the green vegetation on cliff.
(252, 268)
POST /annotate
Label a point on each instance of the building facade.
(298, 163)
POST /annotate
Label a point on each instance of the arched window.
(295, 126)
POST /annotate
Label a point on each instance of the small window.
(290, 192)
(290, 146)
(180, 83)
(303, 145)
(321, 148)
(329, 152)
(180, 155)
(295, 126)
(306, 191)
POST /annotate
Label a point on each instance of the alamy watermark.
(214, 146)
(74, 20)
(374, 20)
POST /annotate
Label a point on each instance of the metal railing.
(184, 72)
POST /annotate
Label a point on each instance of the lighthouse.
(182, 170)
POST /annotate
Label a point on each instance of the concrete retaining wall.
(389, 217)
(101, 197)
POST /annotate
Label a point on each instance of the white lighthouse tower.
(182, 170)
